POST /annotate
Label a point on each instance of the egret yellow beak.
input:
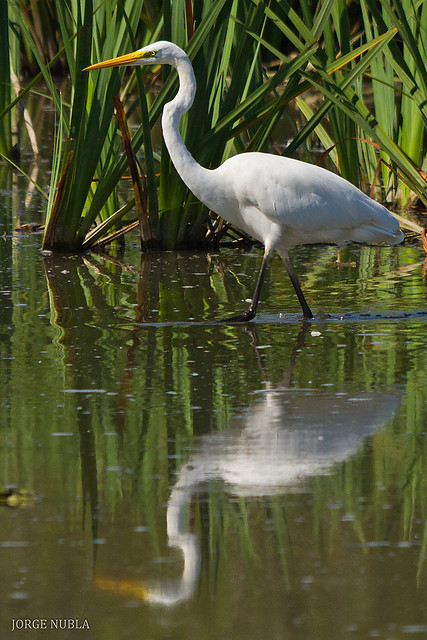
(127, 59)
(123, 587)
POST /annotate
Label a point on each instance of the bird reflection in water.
(286, 436)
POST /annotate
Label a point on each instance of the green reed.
(5, 91)
(237, 107)
(399, 85)
(344, 120)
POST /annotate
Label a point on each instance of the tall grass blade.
(56, 167)
(5, 91)
(138, 189)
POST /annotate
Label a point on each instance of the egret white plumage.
(279, 201)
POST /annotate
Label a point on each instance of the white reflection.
(284, 438)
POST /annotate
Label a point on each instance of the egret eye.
(149, 54)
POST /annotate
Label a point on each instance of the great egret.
(280, 201)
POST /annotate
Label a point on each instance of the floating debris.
(14, 497)
(29, 227)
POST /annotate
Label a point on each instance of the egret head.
(161, 52)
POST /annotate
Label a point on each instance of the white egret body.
(280, 201)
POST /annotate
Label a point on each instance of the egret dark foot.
(246, 316)
(307, 315)
(321, 315)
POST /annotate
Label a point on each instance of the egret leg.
(249, 314)
(303, 302)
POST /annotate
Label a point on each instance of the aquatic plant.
(399, 90)
(351, 125)
(5, 93)
(336, 48)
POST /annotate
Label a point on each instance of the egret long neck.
(190, 171)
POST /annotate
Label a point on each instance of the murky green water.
(199, 480)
